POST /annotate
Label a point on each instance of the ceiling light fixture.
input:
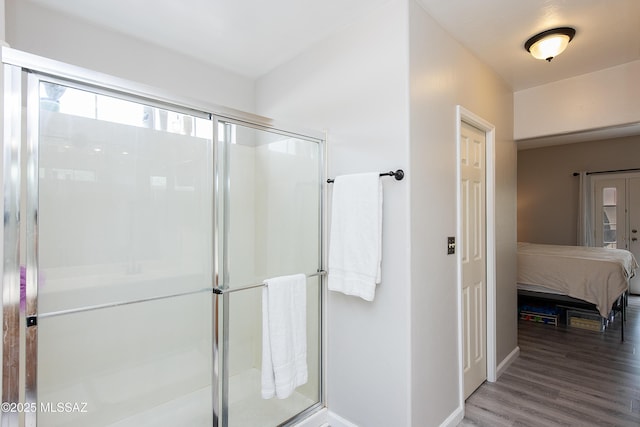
(549, 44)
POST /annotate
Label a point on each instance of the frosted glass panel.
(146, 364)
(273, 219)
(246, 406)
(273, 205)
(125, 202)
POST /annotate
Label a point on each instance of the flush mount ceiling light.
(549, 44)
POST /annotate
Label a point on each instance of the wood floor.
(566, 377)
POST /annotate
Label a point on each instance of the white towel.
(284, 335)
(355, 241)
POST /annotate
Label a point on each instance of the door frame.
(464, 115)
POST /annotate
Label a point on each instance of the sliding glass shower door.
(138, 235)
(272, 217)
(123, 244)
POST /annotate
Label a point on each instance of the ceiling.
(249, 37)
(607, 34)
(252, 37)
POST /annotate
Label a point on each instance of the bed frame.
(619, 306)
(596, 278)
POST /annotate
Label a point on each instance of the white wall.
(444, 74)
(609, 97)
(2, 20)
(354, 85)
(34, 29)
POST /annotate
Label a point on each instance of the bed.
(598, 276)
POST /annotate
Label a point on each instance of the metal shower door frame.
(22, 73)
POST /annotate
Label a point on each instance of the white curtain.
(585, 212)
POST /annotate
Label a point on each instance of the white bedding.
(595, 275)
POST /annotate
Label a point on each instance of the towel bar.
(219, 291)
(398, 175)
(33, 320)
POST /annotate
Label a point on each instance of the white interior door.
(473, 256)
(634, 228)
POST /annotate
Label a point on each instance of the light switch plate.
(451, 245)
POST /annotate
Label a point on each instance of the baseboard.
(507, 361)
(455, 417)
(337, 421)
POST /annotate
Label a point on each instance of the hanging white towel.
(355, 241)
(284, 335)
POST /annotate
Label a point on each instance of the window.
(609, 217)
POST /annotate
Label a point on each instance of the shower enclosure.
(138, 232)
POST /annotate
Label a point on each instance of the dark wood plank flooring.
(566, 377)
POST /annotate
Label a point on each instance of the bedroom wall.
(35, 29)
(548, 191)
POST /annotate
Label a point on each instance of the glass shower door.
(124, 256)
(272, 217)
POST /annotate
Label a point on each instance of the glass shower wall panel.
(273, 199)
(246, 407)
(146, 364)
(272, 220)
(288, 196)
(125, 200)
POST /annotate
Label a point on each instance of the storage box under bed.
(584, 319)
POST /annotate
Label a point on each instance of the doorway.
(476, 251)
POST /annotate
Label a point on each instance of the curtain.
(585, 212)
